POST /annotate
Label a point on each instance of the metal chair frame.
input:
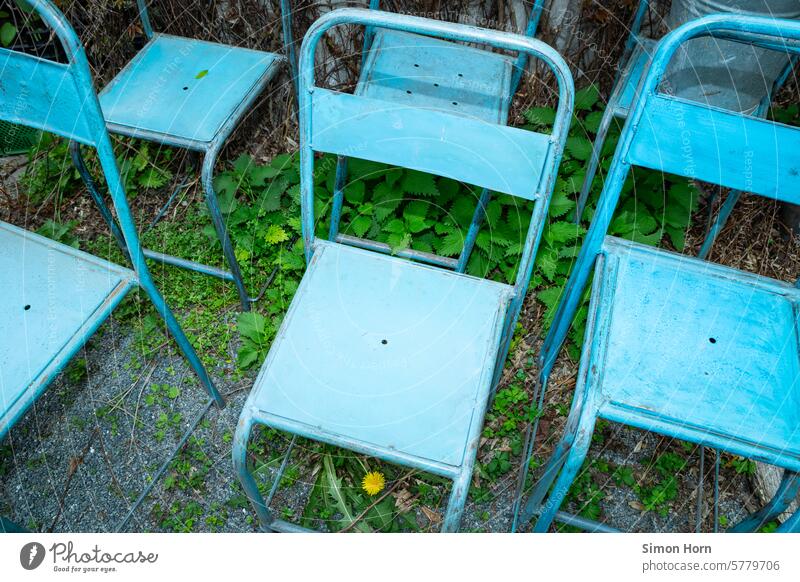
(339, 123)
(652, 138)
(60, 98)
(628, 77)
(208, 148)
(460, 264)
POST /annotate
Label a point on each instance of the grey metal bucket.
(723, 73)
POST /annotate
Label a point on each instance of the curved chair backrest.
(286, 25)
(60, 98)
(522, 60)
(693, 140)
(504, 159)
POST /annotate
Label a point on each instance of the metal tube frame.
(479, 215)
(574, 445)
(210, 151)
(461, 475)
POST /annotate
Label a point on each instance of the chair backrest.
(693, 140)
(286, 26)
(60, 98)
(505, 159)
(522, 60)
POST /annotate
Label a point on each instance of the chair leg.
(572, 464)
(339, 182)
(474, 227)
(239, 454)
(719, 223)
(94, 192)
(458, 499)
(594, 160)
(784, 495)
(555, 463)
(219, 225)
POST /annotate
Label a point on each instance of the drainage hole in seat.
(186, 88)
(27, 307)
(455, 102)
(713, 340)
(384, 342)
(407, 91)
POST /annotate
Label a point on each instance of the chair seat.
(178, 90)
(437, 74)
(709, 351)
(384, 356)
(52, 297)
(632, 74)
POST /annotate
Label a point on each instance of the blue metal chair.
(52, 296)
(191, 94)
(634, 63)
(382, 355)
(675, 345)
(437, 74)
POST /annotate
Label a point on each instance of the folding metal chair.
(52, 296)
(381, 355)
(190, 94)
(419, 70)
(634, 63)
(675, 345)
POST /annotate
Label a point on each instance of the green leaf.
(201, 74)
(226, 184)
(592, 121)
(360, 225)
(579, 147)
(275, 234)
(243, 165)
(260, 174)
(395, 226)
(335, 490)
(253, 326)
(540, 117)
(562, 232)
(587, 97)
(451, 244)
(414, 182)
(560, 204)
(8, 32)
(677, 236)
(246, 357)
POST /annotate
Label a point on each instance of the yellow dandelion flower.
(373, 482)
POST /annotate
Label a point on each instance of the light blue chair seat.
(178, 90)
(373, 349)
(437, 74)
(56, 297)
(731, 334)
(631, 75)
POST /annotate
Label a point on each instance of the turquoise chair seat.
(51, 300)
(183, 91)
(703, 345)
(437, 74)
(391, 356)
(631, 75)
